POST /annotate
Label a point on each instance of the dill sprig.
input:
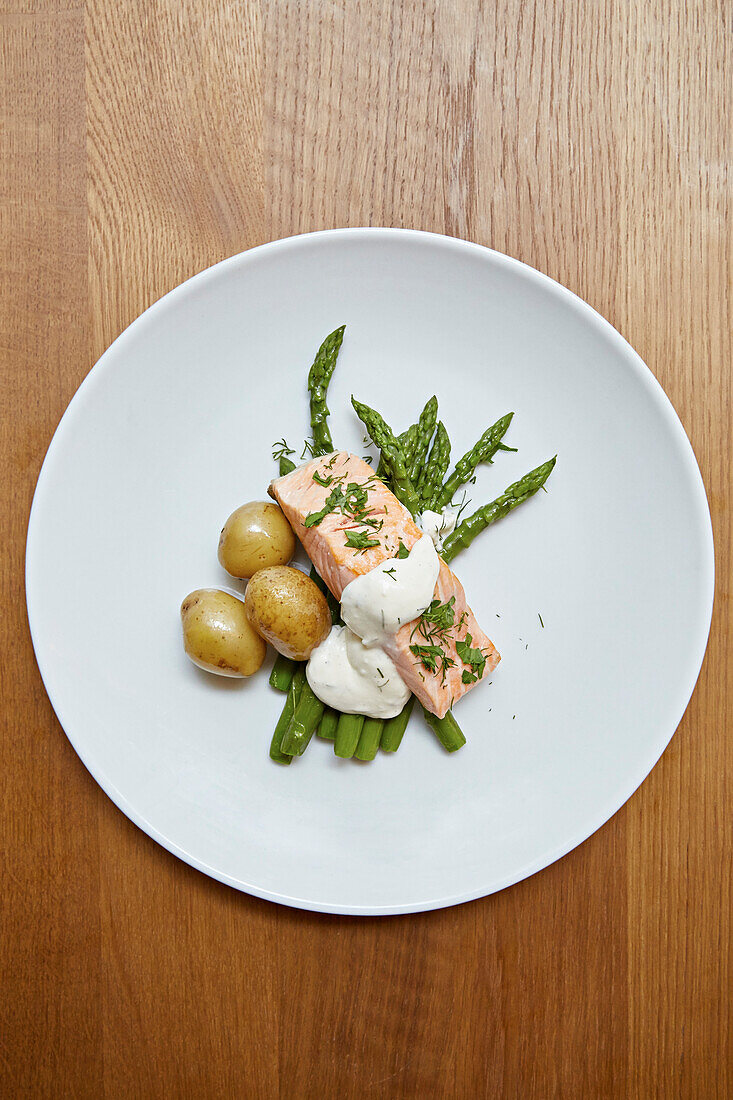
(281, 449)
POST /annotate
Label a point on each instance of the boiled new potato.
(254, 537)
(217, 635)
(288, 609)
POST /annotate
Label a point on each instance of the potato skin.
(255, 536)
(288, 609)
(217, 635)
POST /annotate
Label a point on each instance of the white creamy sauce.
(438, 524)
(394, 593)
(354, 678)
(349, 670)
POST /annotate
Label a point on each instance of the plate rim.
(635, 363)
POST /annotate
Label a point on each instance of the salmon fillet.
(367, 528)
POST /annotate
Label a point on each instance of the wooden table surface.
(142, 141)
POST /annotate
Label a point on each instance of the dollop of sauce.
(354, 678)
(392, 594)
(350, 670)
(438, 525)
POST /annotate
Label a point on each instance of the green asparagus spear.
(369, 738)
(327, 726)
(446, 729)
(483, 451)
(384, 438)
(434, 469)
(417, 454)
(285, 719)
(307, 715)
(348, 733)
(520, 491)
(319, 377)
(394, 728)
(407, 441)
(282, 673)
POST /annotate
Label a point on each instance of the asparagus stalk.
(384, 438)
(416, 452)
(285, 719)
(446, 729)
(482, 451)
(434, 469)
(319, 377)
(408, 441)
(328, 724)
(515, 495)
(348, 733)
(394, 728)
(369, 738)
(308, 713)
(282, 673)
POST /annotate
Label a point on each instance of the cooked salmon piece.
(438, 690)
(349, 522)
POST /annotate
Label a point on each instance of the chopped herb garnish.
(433, 658)
(281, 450)
(428, 655)
(351, 500)
(334, 499)
(391, 573)
(439, 616)
(402, 551)
(359, 540)
(540, 618)
(308, 449)
(473, 658)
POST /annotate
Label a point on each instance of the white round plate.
(173, 429)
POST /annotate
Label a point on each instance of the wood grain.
(143, 141)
